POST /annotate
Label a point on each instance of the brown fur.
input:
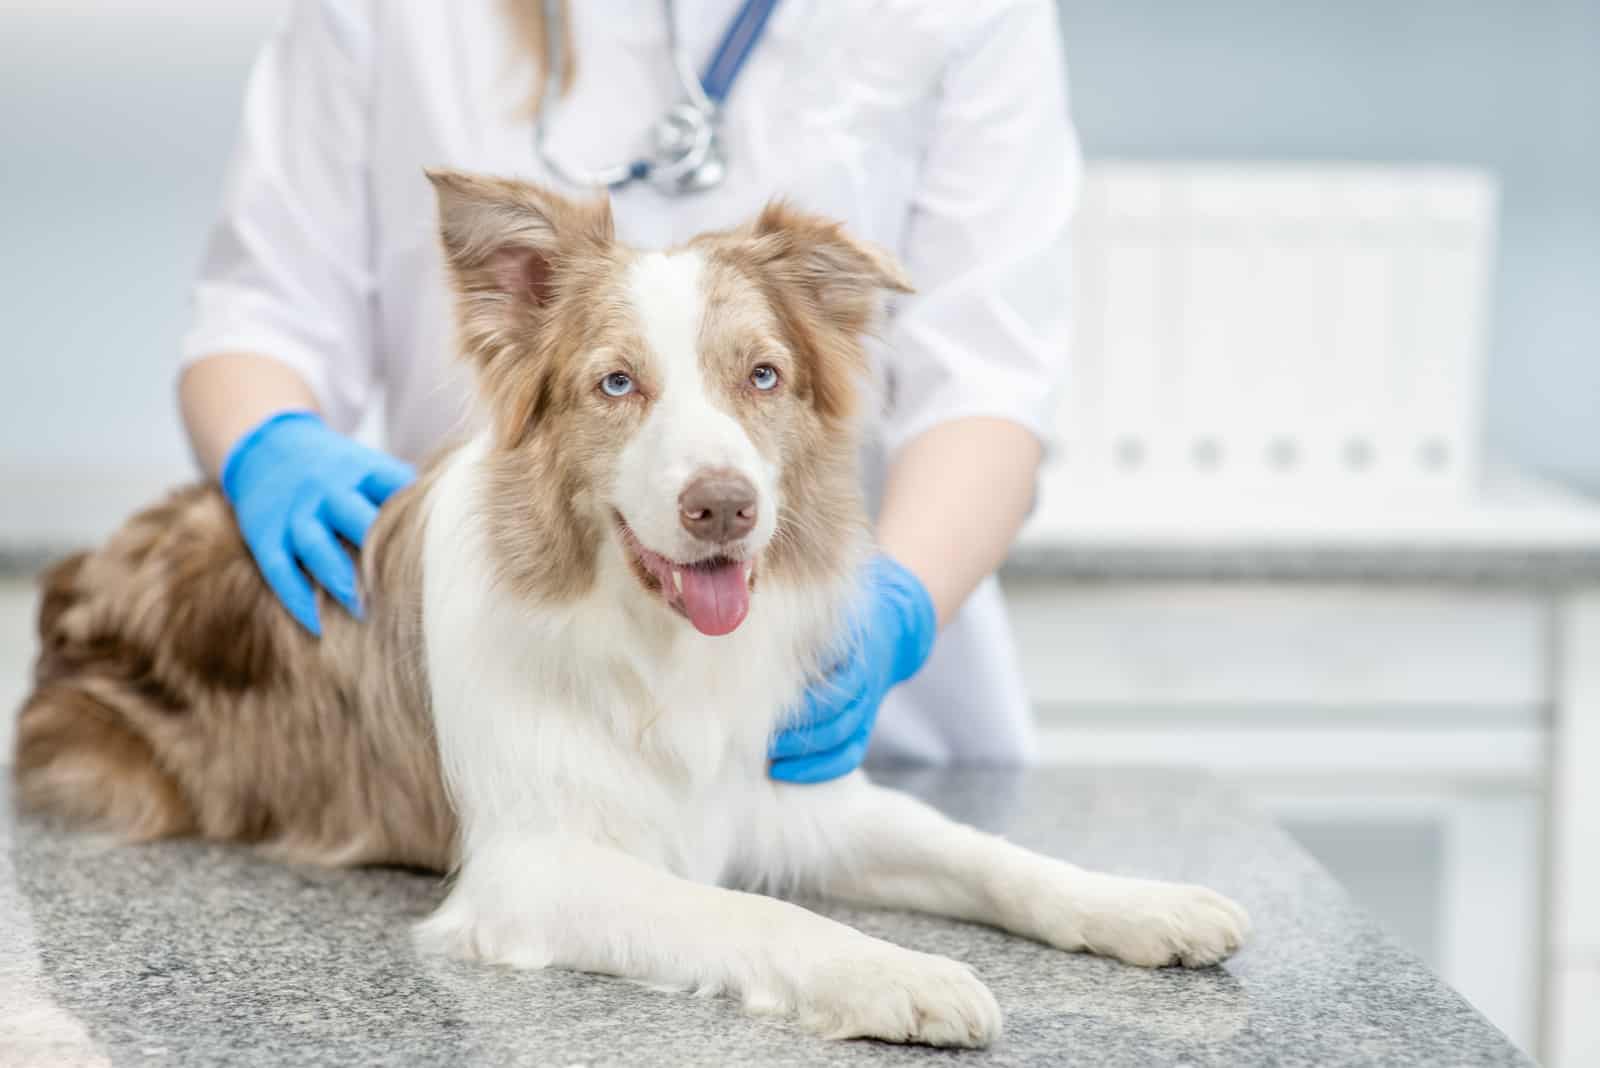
(820, 290)
(541, 287)
(173, 695)
(529, 31)
(539, 298)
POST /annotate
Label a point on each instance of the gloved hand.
(890, 639)
(296, 486)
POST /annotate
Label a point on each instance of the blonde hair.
(530, 28)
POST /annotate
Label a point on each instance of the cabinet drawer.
(1473, 655)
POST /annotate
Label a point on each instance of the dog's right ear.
(505, 242)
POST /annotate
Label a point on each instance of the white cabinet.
(1451, 870)
(1434, 744)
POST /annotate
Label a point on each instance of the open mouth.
(713, 593)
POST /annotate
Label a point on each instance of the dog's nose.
(718, 506)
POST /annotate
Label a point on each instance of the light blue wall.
(114, 132)
(115, 125)
(1507, 85)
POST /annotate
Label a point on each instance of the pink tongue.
(715, 598)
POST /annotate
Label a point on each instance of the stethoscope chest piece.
(687, 152)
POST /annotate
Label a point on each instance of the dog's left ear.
(845, 278)
(829, 288)
(505, 242)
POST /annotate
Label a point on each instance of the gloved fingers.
(350, 514)
(821, 767)
(284, 577)
(387, 476)
(819, 733)
(327, 561)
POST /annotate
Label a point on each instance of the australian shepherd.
(583, 627)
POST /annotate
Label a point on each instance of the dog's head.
(694, 405)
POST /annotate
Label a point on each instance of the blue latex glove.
(890, 639)
(296, 488)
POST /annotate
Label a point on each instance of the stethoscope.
(686, 154)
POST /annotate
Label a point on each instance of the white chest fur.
(608, 717)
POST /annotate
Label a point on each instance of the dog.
(583, 626)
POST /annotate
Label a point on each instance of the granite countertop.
(186, 953)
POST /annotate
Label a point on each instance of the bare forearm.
(955, 498)
(225, 395)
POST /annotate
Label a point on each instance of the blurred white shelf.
(1512, 528)
(1508, 510)
(1253, 326)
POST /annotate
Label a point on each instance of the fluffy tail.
(78, 753)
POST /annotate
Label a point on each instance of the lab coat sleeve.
(986, 243)
(287, 272)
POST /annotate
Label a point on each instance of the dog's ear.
(845, 277)
(829, 288)
(505, 241)
(515, 253)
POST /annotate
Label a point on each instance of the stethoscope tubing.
(695, 162)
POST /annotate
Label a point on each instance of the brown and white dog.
(582, 628)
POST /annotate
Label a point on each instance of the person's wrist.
(236, 464)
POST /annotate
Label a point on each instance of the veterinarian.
(938, 130)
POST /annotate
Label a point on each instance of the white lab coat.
(938, 129)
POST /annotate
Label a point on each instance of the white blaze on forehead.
(667, 296)
(690, 427)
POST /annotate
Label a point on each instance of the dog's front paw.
(1154, 924)
(898, 995)
(457, 929)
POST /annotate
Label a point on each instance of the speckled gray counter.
(191, 954)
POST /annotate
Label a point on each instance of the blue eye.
(616, 384)
(764, 377)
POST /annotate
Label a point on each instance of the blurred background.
(1318, 521)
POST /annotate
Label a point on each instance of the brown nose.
(718, 506)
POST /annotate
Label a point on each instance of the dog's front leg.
(555, 900)
(892, 850)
